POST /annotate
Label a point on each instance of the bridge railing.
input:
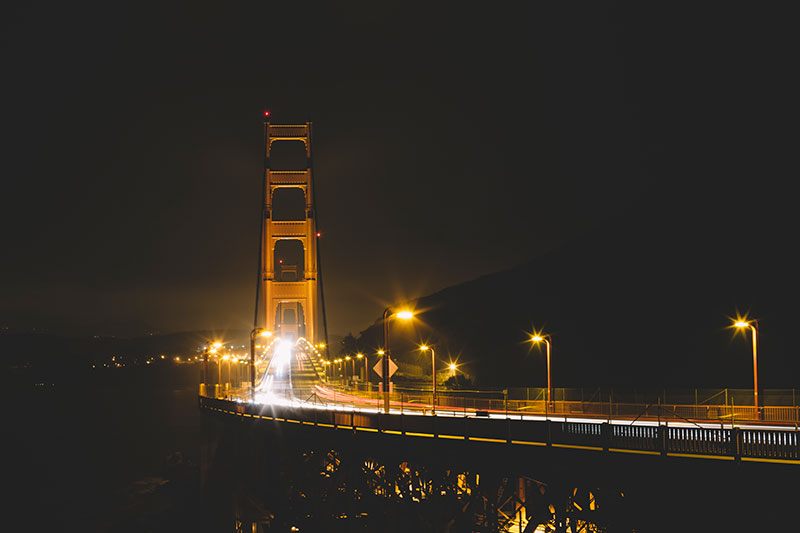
(724, 414)
(424, 401)
(766, 444)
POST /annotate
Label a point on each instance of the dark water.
(131, 451)
(99, 454)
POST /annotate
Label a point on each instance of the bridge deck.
(763, 444)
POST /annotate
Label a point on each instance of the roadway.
(302, 383)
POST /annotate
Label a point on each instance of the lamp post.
(547, 340)
(753, 325)
(387, 314)
(361, 356)
(219, 370)
(348, 358)
(214, 347)
(433, 365)
(381, 353)
(228, 359)
(205, 370)
(263, 333)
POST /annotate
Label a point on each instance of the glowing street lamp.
(347, 358)
(228, 359)
(205, 369)
(425, 348)
(361, 356)
(547, 340)
(753, 325)
(219, 369)
(387, 314)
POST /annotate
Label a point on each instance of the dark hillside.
(642, 301)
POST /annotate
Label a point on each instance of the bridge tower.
(289, 291)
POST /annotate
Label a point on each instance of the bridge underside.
(506, 483)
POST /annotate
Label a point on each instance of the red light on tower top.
(266, 113)
(319, 234)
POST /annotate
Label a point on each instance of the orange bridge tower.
(289, 286)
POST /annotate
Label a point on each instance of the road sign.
(378, 368)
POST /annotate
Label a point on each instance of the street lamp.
(219, 369)
(753, 325)
(205, 369)
(228, 359)
(347, 358)
(361, 356)
(547, 340)
(387, 314)
(425, 348)
(261, 332)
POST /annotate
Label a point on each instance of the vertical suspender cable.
(259, 281)
(319, 254)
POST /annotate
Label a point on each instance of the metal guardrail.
(726, 415)
(723, 414)
(740, 444)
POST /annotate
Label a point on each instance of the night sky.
(451, 140)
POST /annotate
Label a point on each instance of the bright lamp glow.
(424, 348)
(537, 338)
(452, 366)
(405, 315)
(217, 345)
(266, 334)
(741, 324)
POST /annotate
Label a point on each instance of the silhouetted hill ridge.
(628, 304)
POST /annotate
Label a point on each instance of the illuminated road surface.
(297, 382)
